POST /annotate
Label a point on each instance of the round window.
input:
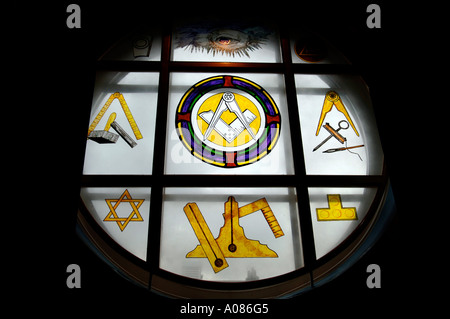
(227, 160)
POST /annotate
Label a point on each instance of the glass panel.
(335, 213)
(123, 214)
(309, 48)
(217, 42)
(258, 105)
(122, 124)
(341, 104)
(142, 46)
(203, 233)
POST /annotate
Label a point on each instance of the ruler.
(263, 205)
(126, 110)
(205, 237)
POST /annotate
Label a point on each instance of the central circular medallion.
(228, 121)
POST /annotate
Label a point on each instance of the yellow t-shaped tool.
(332, 98)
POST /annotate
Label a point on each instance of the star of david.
(122, 222)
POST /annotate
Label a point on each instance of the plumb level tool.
(209, 246)
(231, 242)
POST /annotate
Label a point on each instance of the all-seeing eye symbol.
(231, 40)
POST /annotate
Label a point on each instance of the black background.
(62, 71)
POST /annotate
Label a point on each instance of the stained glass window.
(123, 117)
(225, 41)
(242, 148)
(221, 160)
(308, 48)
(276, 254)
(327, 204)
(145, 46)
(354, 124)
(127, 219)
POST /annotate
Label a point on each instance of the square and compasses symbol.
(113, 205)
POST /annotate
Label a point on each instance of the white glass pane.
(123, 213)
(142, 46)
(182, 253)
(226, 43)
(253, 155)
(132, 98)
(358, 151)
(335, 214)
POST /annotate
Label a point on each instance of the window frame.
(147, 273)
